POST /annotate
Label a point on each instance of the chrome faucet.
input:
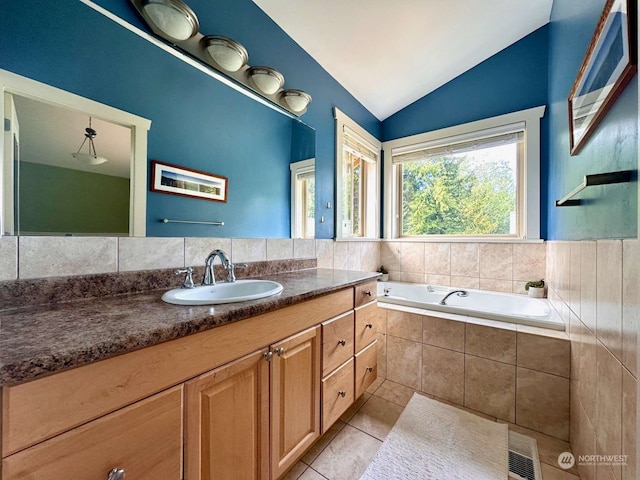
(209, 278)
(461, 293)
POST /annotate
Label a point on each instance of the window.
(473, 180)
(357, 180)
(303, 198)
(465, 188)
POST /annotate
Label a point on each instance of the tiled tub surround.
(500, 267)
(44, 339)
(517, 374)
(596, 286)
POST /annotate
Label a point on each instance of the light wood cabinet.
(295, 398)
(349, 355)
(40, 409)
(144, 439)
(337, 394)
(366, 368)
(365, 293)
(244, 417)
(337, 342)
(365, 325)
(227, 421)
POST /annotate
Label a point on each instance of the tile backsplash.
(45, 257)
(501, 267)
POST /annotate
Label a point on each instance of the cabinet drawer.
(337, 394)
(366, 368)
(337, 342)
(365, 293)
(144, 439)
(365, 325)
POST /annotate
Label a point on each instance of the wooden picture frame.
(186, 182)
(610, 63)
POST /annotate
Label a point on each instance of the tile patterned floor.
(344, 452)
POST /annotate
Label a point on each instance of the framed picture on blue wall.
(610, 63)
(175, 180)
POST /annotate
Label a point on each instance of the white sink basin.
(238, 291)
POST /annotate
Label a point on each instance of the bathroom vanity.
(236, 391)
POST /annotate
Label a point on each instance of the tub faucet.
(461, 293)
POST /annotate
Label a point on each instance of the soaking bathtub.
(505, 307)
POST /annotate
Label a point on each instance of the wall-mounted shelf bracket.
(166, 220)
(622, 176)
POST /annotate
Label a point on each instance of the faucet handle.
(231, 271)
(188, 278)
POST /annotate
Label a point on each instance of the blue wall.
(197, 121)
(513, 79)
(200, 123)
(612, 211)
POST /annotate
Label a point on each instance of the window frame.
(528, 175)
(370, 207)
(297, 203)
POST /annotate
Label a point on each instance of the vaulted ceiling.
(390, 53)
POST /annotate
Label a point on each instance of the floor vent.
(523, 457)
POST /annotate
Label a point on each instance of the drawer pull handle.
(369, 325)
(368, 293)
(279, 351)
(369, 369)
(116, 474)
(342, 393)
(342, 342)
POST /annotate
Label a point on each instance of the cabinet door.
(227, 421)
(143, 439)
(295, 398)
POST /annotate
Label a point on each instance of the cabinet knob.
(342, 342)
(368, 293)
(369, 325)
(268, 356)
(342, 393)
(369, 369)
(116, 474)
(279, 351)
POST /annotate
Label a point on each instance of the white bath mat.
(434, 441)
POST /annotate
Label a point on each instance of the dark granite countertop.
(40, 340)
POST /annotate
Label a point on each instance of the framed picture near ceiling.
(610, 63)
(175, 180)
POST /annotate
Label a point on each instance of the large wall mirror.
(48, 191)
